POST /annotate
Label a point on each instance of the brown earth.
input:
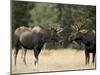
(52, 60)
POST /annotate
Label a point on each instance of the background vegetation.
(69, 17)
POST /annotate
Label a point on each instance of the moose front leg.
(87, 57)
(93, 57)
(37, 51)
(36, 55)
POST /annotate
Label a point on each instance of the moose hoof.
(35, 62)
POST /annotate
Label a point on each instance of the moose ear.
(52, 28)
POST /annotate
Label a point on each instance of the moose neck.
(47, 36)
(84, 39)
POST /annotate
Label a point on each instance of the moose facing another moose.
(36, 37)
(89, 40)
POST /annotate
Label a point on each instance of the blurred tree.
(44, 14)
(74, 18)
(20, 13)
(71, 18)
(84, 17)
(65, 21)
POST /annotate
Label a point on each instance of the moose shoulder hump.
(36, 29)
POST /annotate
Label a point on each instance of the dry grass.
(52, 60)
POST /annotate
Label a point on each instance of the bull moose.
(89, 41)
(34, 39)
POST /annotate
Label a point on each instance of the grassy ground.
(52, 60)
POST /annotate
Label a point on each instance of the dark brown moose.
(34, 39)
(89, 40)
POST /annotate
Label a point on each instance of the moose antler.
(59, 29)
(77, 27)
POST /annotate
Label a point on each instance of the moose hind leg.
(24, 59)
(22, 55)
(93, 57)
(15, 55)
(86, 57)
